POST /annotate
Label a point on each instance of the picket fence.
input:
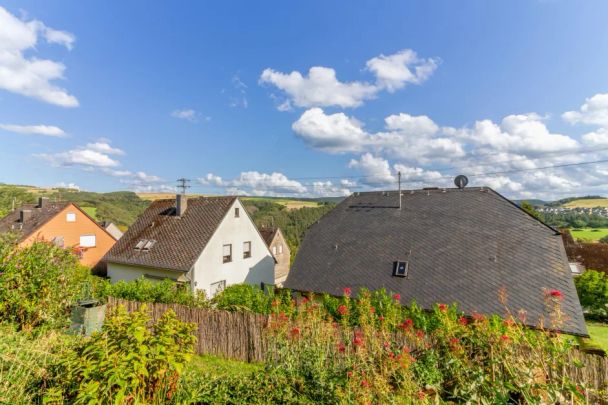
(240, 336)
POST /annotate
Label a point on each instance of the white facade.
(210, 273)
(210, 269)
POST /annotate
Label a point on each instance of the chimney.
(181, 203)
(24, 215)
(42, 202)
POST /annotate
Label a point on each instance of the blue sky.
(132, 95)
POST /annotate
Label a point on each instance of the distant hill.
(587, 203)
(535, 202)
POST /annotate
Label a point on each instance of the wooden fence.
(234, 335)
(239, 335)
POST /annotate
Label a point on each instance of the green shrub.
(38, 283)
(592, 289)
(243, 297)
(165, 292)
(127, 362)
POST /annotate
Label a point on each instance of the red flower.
(305, 300)
(283, 317)
(442, 307)
(381, 318)
(454, 343)
(555, 294)
(341, 347)
(372, 310)
(463, 321)
(295, 332)
(364, 383)
(342, 310)
(408, 323)
(420, 334)
(347, 291)
(508, 322)
(349, 374)
(386, 345)
(397, 297)
(275, 303)
(357, 341)
(505, 338)
(478, 317)
(421, 395)
(580, 390)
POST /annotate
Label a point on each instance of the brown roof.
(12, 222)
(179, 240)
(268, 234)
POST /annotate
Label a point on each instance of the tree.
(592, 288)
(529, 208)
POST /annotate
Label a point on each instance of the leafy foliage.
(592, 289)
(38, 283)
(126, 362)
(143, 290)
(380, 352)
(529, 208)
(13, 194)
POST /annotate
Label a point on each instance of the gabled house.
(275, 240)
(62, 223)
(208, 243)
(464, 246)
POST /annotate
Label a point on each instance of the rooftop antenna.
(182, 185)
(399, 180)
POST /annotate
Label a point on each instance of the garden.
(320, 349)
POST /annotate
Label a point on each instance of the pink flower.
(442, 307)
(397, 297)
(463, 321)
(386, 345)
(341, 347)
(364, 383)
(342, 310)
(347, 291)
(295, 332)
(357, 341)
(555, 294)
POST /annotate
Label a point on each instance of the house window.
(274, 250)
(70, 217)
(236, 213)
(280, 249)
(227, 253)
(216, 288)
(246, 250)
(87, 241)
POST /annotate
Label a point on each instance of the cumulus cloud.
(46, 130)
(104, 147)
(92, 155)
(257, 183)
(322, 88)
(594, 111)
(71, 186)
(376, 170)
(31, 76)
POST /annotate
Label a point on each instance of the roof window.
(400, 269)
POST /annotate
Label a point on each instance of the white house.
(207, 242)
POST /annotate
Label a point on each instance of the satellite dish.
(461, 181)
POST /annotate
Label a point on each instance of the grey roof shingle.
(179, 240)
(40, 215)
(462, 246)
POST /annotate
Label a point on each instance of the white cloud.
(322, 88)
(328, 189)
(393, 72)
(31, 76)
(597, 138)
(257, 183)
(376, 170)
(593, 111)
(81, 157)
(46, 130)
(71, 186)
(188, 115)
(335, 133)
(104, 147)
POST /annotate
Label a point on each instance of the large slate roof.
(179, 240)
(462, 246)
(39, 216)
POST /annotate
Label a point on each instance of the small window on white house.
(88, 241)
(70, 217)
(237, 213)
(227, 253)
(246, 250)
(280, 249)
(274, 250)
(216, 288)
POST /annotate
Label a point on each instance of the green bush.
(592, 289)
(243, 297)
(38, 283)
(127, 362)
(165, 292)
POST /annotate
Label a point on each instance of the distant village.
(598, 211)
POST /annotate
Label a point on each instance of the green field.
(91, 211)
(587, 203)
(599, 334)
(589, 234)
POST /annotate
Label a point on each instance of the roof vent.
(461, 181)
(400, 268)
(42, 202)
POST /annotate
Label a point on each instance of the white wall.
(259, 268)
(125, 272)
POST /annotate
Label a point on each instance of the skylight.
(141, 244)
(400, 269)
(149, 244)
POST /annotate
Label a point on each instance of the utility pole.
(182, 184)
(399, 179)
